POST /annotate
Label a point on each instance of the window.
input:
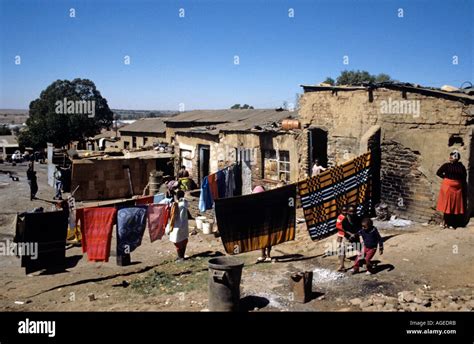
(145, 140)
(126, 144)
(276, 165)
(134, 142)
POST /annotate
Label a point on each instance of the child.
(340, 239)
(372, 239)
(178, 229)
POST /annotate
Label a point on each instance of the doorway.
(204, 158)
(318, 147)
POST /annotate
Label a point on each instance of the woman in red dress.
(450, 200)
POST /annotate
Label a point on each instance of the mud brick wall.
(108, 178)
(413, 146)
(404, 187)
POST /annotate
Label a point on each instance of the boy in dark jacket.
(372, 239)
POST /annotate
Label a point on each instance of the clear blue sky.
(190, 60)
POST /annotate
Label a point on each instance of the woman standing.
(450, 200)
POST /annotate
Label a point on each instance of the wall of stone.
(414, 143)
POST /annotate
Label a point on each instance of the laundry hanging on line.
(144, 200)
(47, 231)
(255, 221)
(222, 184)
(97, 232)
(131, 223)
(324, 195)
(158, 215)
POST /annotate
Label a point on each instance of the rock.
(366, 303)
(389, 306)
(454, 306)
(413, 307)
(379, 300)
(470, 303)
(91, 297)
(441, 294)
(406, 296)
(339, 300)
(389, 299)
(370, 309)
(465, 309)
(355, 302)
(345, 309)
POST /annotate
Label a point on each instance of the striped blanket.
(323, 196)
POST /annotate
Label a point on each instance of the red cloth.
(97, 230)
(144, 200)
(212, 180)
(450, 199)
(340, 230)
(158, 215)
(369, 254)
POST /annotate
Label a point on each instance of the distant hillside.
(13, 117)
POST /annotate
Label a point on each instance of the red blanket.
(97, 232)
(158, 215)
(144, 200)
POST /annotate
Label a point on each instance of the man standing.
(58, 182)
(32, 180)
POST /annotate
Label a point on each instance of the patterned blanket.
(323, 196)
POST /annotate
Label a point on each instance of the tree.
(360, 77)
(58, 115)
(243, 107)
(4, 130)
(329, 81)
(383, 78)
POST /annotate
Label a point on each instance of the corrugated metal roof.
(146, 125)
(244, 120)
(225, 116)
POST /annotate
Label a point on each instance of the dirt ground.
(419, 258)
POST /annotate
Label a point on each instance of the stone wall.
(413, 143)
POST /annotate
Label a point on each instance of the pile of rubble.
(419, 301)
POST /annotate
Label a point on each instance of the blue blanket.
(131, 223)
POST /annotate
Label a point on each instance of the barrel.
(224, 284)
(155, 181)
(289, 124)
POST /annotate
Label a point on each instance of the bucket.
(199, 221)
(224, 284)
(207, 227)
(301, 284)
(155, 180)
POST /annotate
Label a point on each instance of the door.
(204, 157)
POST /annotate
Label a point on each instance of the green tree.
(351, 77)
(329, 81)
(49, 123)
(383, 78)
(4, 130)
(237, 107)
